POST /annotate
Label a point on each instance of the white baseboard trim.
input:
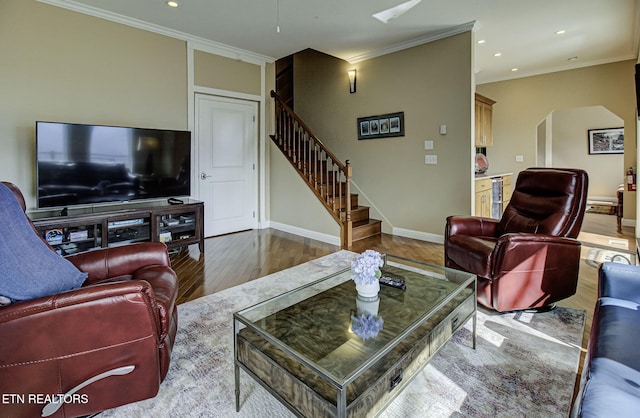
(401, 232)
(611, 199)
(423, 236)
(628, 222)
(318, 236)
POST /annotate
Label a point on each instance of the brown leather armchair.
(105, 344)
(528, 259)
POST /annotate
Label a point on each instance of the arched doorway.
(562, 141)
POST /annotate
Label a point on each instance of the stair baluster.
(323, 172)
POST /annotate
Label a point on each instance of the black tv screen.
(89, 164)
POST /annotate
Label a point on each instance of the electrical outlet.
(519, 158)
(431, 159)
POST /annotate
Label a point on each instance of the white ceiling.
(597, 31)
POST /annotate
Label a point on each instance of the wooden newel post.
(347, 230)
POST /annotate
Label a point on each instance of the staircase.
(324, 173)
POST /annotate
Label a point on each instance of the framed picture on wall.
(381, 126)
(364, 128)
(606, 141)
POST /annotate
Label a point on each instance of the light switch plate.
(428, 144)
(519, 158)
(431, 159)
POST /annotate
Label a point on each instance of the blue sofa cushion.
(618, 328)
(28, 267)
(612, 390)
(620, 281)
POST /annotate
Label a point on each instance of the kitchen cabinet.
(506, 191)
(483, 197)
(483, 121)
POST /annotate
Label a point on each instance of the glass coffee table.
(322, 351)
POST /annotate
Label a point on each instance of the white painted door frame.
(192, 89)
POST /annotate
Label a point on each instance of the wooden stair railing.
(325, 174)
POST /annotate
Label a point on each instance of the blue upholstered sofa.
(610, 384)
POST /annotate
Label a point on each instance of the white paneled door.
(227, 138)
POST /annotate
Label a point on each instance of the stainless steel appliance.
(496, 197)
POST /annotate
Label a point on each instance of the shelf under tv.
(145, 218)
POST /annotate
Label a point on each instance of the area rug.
(596, 256)
(524, 364)
(603, 209)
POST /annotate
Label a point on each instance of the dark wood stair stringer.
(324, 174)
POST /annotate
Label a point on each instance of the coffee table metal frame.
(242, 319)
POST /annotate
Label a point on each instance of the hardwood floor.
(234, 259)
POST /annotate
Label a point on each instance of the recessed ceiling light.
(481, 41)
(497, 54)
(172, 3)
(514, 69)
(561, 32)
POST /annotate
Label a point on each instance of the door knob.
(203, 176)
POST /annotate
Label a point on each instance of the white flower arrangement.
(365, 269)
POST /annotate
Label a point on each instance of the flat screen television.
(91, 164)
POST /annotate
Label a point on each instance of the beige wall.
(293, 204)
(63, 66)
(223, 73)
(523, 103)
(431, 84)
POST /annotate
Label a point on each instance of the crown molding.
(435, 36)
(552, 70)
(199, 43)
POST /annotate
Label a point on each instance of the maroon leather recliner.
(528, 259)
(105, 344)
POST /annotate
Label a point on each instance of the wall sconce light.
(352, 81)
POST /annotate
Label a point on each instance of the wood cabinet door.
(483, 198)
(483, 121)
(507, 191)
(487, 124)
(485, 204)
(478, 124)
